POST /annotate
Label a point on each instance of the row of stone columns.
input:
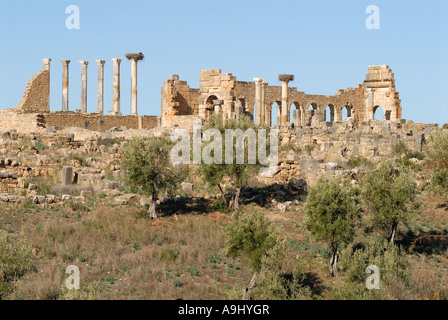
(116, 86)
(260, 106)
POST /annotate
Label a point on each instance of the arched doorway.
(275, 112)
(378, 113)
(209, 106)
(346, 111)
(294, 106)
(329, 113)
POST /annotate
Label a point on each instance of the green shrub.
(40, 146)
(108, 142)
(360, 161)
(169, 255)
(15, 261)
(389, 258)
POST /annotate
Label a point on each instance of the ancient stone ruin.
(221, 92)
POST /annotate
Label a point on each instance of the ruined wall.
(380, 91)
(23, 122)
(360, 102)
(92, 120)
(323, 151)
(178, 99)
(37, 93)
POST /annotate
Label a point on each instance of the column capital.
(265, 83)
(100, 62)
(84, 63)
(47, 63)
(258, 80)
(286, 77)
(65, 62)
(116, 60)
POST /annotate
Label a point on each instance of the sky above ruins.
(324, 43)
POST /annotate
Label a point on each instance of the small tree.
(147, 166)
(239, 174)
(390, 194)
(331, 209)
(254, 236)
(437, 157)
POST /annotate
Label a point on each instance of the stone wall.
(91, 121)
(323, 151)
(178, 99)
(37, 93)
(23, 122)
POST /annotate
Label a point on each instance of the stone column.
(47, 68)
(65, 64)
(285, 78)
(116, 98)
(100, 85)
(47, 64)
(263, 104)
(258, 82)
(217, 105)
(279, 114)
(84, 65)
(371, 105)
(134, 87)
(229, 105)
(239, 110)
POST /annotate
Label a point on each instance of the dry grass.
(123, 255)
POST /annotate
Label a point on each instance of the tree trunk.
(251, 285)
(334, 262)
(152, 210)
(393, 232)
(223, 195)
(152, 206)
(236, 199)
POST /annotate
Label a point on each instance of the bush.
(15, 261)
(360, 161)
(169, 255)
(389, 258)
(437, 158)
(108, 142)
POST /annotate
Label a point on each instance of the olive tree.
(390, 194)
(252, 235)
(331, 209)
(238, 172)
(148, 167)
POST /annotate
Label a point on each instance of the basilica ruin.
(221, 93)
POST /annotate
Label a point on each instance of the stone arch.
(347, 111)
(275, 113)
(209, 105)
(293, 106)
(330, 113)
(381, 114)
(243, 103)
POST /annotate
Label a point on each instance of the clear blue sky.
(323, 42)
